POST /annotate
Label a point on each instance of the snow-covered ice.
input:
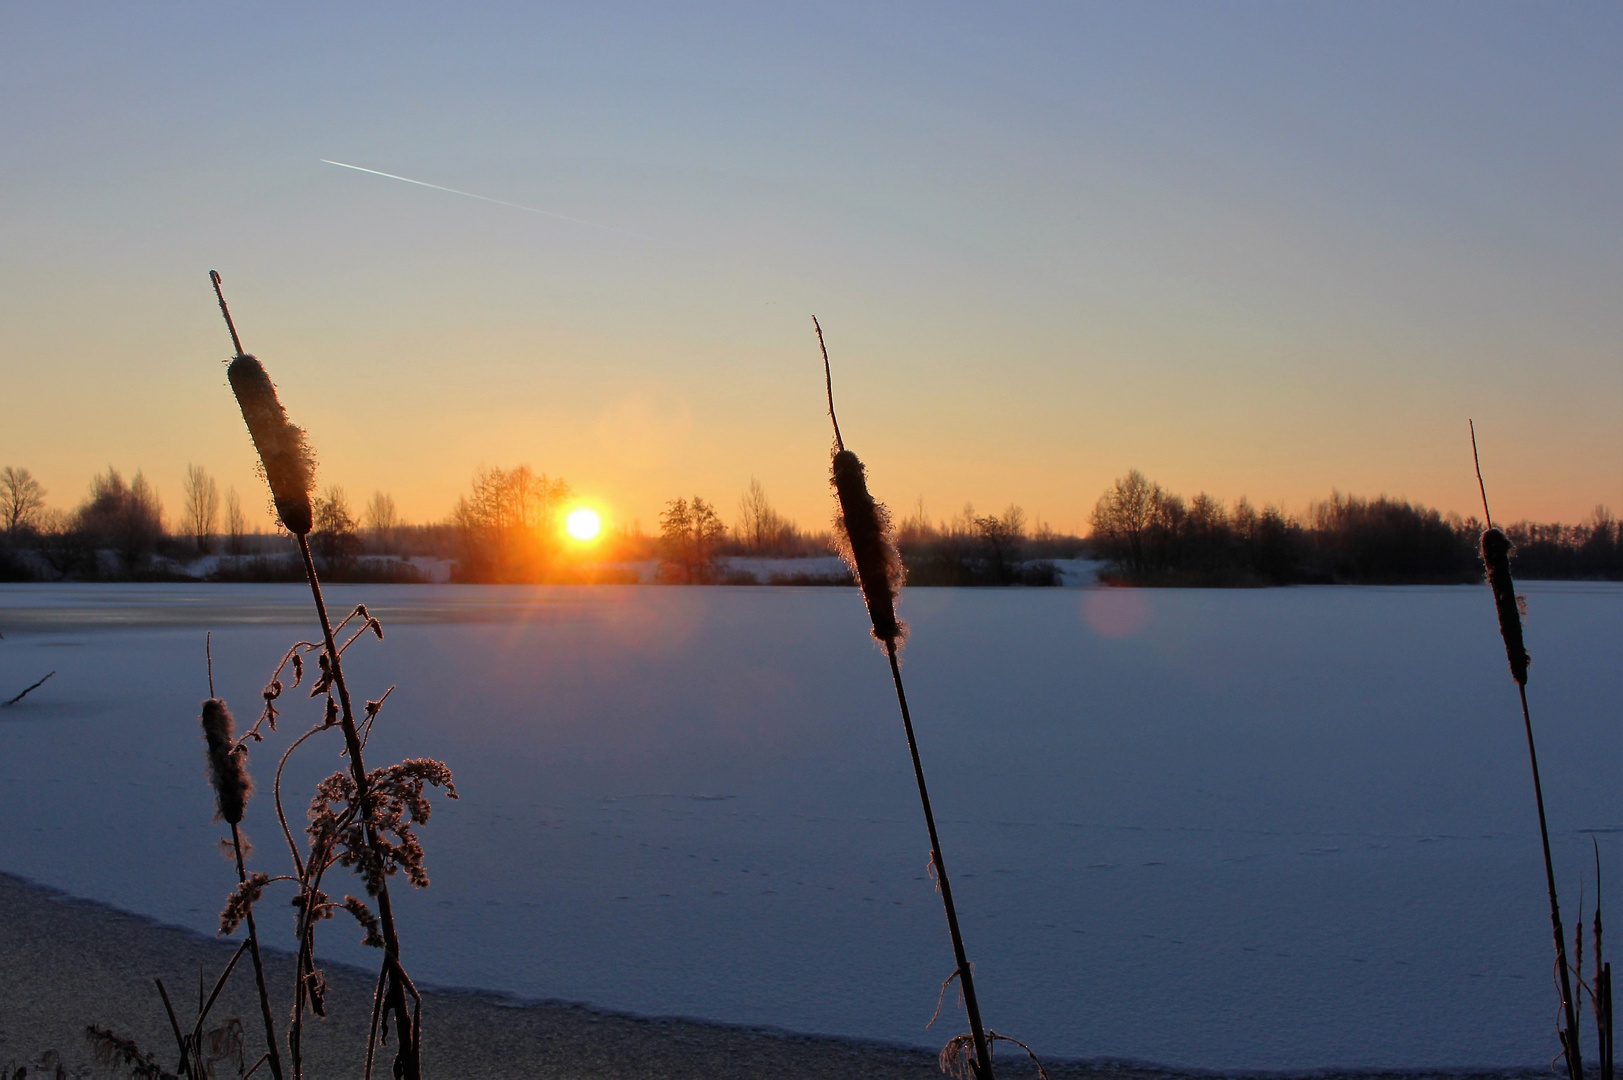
(1266, 829)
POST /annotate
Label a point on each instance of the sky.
(1250, 249)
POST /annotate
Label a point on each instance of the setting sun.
(583, 524)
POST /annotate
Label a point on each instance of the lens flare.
(583, 524)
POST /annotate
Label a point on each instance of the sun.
(583, 524)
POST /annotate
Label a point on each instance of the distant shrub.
(980, 549)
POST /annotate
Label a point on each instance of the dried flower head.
(1496, 557)
(395, 804)
(867, 542)
(241, 901)
(369, 922)
(289, 463)
(228, 762)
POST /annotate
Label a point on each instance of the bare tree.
(126, 517)
(761, 530)
(509, 525)
(201, 509)
(688, 534)
(22, 500)
(334, 539)
(63, 544)
(1002, 536)
(381, 519)
(916, 528)
(235, 524)
(1123, 517)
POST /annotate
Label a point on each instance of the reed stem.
(219, 294)
(253, 951)
(396, 995)
(966, 977)
(1569, 1036)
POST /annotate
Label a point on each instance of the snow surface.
(1263, 829)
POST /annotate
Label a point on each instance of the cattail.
(867, 542)
(1496, 557)
(288, 461)
(228, 763)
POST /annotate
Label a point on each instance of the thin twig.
(208, 655)
(372, 710)
(276, 795)
(1042, 1073)
(253, 944)
(372, 1028)
(25, 693)
(203, 1012)
(174, 1025)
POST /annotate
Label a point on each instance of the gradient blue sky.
(1259, 249)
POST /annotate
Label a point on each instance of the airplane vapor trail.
(483, 198)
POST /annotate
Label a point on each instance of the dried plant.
(1600, 989)
(117, 1052)
(868, 542)
(228, 773)
(1496, 559)
(957, 1057)
(359, 819)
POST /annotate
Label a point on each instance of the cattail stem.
(396, 996)
(236, 343)
(1607, 1067)
(828, 383)
(1569, 1036)
(1600, 994)
(966, 976)
(1476, 459)
(275, 1059)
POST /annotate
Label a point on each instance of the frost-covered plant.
(867, 540)
(1496, 548)
(359, 819)
(228, 773)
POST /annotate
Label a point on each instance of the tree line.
(507, 528)
(120, 530)
(1151, 536)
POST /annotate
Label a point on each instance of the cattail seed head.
(867, 542)
(287, 459)
(228, 763)
(1496, 557)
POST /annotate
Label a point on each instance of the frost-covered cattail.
(228, 763)
(288, 460)
(867, 542)
(1496, 557)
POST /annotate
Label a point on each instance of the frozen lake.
(1264, 829)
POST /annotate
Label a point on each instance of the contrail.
(484, 198)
